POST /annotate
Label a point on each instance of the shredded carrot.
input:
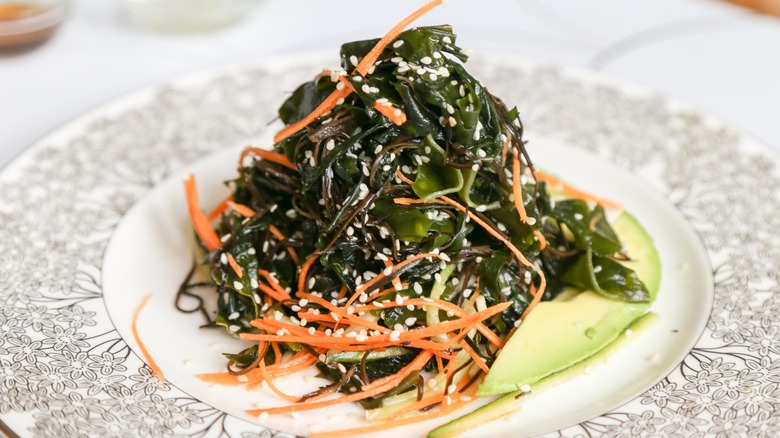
(304, 270)
(271, 292)
(274, 284)
(395, 114)
(537, 294)
(270, 381)
(474, 356)
(396, 281)
(440, 304)
(370, 283)
(199, 220)
(416, 335)
(236, 268)
(219, 209)
(241, 209)
(277, 353)
(144, 351)
(396, 378)
(278, 234)
(328, 104)
(362, 68)
(272, 156)
(430, 415)
(368, 61)
(504, 151)
(575, 192)
(517, 188)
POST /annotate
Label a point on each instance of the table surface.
(716, 56)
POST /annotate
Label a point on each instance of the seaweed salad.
(395, 235)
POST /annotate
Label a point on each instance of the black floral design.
(65, 370)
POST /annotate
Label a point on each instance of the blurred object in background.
(764, 6)
(188, 15)
(27, 23)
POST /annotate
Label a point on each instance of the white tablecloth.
(717, 57)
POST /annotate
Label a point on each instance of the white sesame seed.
(280, 332)
(365, 88)
(410, 321)
(481, 208)
(531, 221)
(234, 315)
(398, 44)
(396, 59)
(451, 120)
(434, 77)
(450, 109)
(223, 258)
(597, 269)
(334, 316)
(330, 144)
(578, 216)
(446, 40)
(475, 167)
(340, 86)
(234, 328)
(388, 270)
(426, 60)
(353, 60)
(237, 285)
(226, 237)
(342, 368)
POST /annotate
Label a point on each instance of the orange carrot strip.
(439, 304)
(241, 209)
(517, 191)
(344, 343)
(410, 335)
(430, 415)
(269, 291)
(134, 327)
(219, 209)
(236, 268)
(199, 220)
(270, 381)
(395, 114)
(274, 283)
(504, 151)
(277, 353)
(368, 61)
(537, 294)
(575, 192)
(272, 156)
(416, 406)
(517, 188)
(362, 395)
(412, 366)
(278, 234)
(362, 68)
(478, 360)
(396, 281)
(328, 104)
(305, 269)
(367, 285)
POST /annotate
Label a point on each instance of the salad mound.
(395, 236)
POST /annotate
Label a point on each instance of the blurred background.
(60, 58)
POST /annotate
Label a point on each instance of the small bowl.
(26, 23)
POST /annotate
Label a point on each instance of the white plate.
(114, 176)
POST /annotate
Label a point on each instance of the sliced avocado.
(510, 403)
(561, 333)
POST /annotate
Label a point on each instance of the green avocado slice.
(563, 332)
(608, 335)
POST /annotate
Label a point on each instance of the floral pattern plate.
(68, 368)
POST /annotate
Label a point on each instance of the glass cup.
(188, 15)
